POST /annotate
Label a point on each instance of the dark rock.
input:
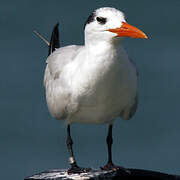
(61, 174)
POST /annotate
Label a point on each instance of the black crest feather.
(90, 19)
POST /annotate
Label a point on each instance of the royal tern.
(96, 82)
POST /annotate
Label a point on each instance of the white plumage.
(94, 83)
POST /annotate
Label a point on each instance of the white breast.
(90, 87)
(101, 86)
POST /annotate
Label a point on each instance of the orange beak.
(127, 30)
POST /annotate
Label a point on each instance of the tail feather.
(54, 43)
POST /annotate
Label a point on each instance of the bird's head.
(108, 23)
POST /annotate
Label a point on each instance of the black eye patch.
(101, 20)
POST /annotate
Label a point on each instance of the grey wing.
(129, 112)
(58, 59)
(134, 64)
(57, 95)
(135, 105)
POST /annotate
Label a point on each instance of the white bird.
(96, 82)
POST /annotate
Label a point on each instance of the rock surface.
(61, 174)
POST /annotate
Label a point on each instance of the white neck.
(98, 47)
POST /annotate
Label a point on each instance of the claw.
(78, 170)
(111, 166)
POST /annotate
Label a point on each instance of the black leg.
(109, 141)
(110, 165)
(74, 167)
(69, 142)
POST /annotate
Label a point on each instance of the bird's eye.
(101, 20)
